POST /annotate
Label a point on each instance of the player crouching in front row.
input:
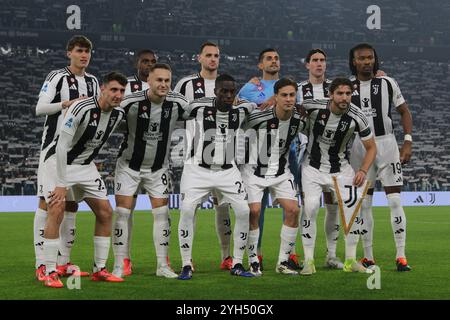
(85, 129)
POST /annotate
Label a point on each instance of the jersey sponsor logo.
(154, 126)
(73, 87)
(199, 90)
(93, 123)
(69, 123)
(328, 137)
(223, 127)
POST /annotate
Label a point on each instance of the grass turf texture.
(427, 249)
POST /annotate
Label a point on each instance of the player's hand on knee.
(359, 178)
(59, 194)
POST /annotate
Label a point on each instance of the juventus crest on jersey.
(150, 126)
(216, 132)
(375, 98)
(329, 133)
(270, 140)
(90, 128)
(61, 85)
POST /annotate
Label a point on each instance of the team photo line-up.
(273, 136)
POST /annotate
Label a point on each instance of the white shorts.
(197, 182)
(127, 181)
(386, 167)
(314, 181)
(46, 179)
(281, 187)
(85, 182)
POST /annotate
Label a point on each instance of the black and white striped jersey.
(375, 99)
(135, 84)
(149, 129)
(328, 135)
(308, 91)
(90, 127)
(195, 87)
(270, 139)
(216, 132)
(61, 85)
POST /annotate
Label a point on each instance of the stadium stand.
(22, 72)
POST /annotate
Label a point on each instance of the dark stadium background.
(413, 45)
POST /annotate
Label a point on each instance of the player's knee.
(123, 213)
(312, 204)
(394, 200)
(104, 215)
(188, 209)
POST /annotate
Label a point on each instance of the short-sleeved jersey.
(375, 99)
(149, 129)
(61, 85)
(90, 128)
(135, 84)
(257, 93)
(269, 150)
(216, 132)
(309, 91)
(195, 87)
(328, 135)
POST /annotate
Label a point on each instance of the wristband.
(365, 172)
(408, 137)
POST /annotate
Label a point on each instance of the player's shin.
(186, 232)
(67, 233)
(367, 238)
(398, 222)
(50, 254)
(120, 236)
(331, 229)
(309, 226)
(101, 251)
(40, 217)
(288, 237)
(241, 230)
(161, 234)
(223, 228)
(252, 244)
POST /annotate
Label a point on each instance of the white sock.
(241, 231)
(293, 251)
(351, 243)
(398, 222)
(186, 232)
(101, 251)
(161, 234)
(288, 237)
(367, 216)
(331, 229)
(50, 254)
(67, 232)
(130, 232)
(223, 228)
(252, 244)
(40, 218)
(309, 225)
(120, 235)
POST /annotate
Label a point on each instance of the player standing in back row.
(61, 89)
(375, 96)
(197, 86)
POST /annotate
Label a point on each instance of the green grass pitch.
(427, 248)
